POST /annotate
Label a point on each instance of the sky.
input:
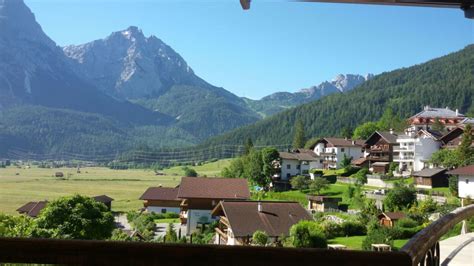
(274, 46)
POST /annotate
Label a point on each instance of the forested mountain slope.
(445, 81)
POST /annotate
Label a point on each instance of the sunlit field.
(21, 185)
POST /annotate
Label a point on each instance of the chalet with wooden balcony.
(240, 219)
(161, 200)
(199, 196)
(425, 119)
(380, 147)
(453, 138)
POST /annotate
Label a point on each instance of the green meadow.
(21, 185)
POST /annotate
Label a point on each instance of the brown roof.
(386, 135)
(300, 155)
(103, 198)
(466, 170)
(429, 172)
(359, 161)
(323, 198)
(392, 215)
(213, 188)
(275, 219)
(161, 193)
(32, 208)
(342, 142)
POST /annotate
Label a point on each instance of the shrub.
(260, 238)
(331, 229)
(299, 182)
(332, 179)
(189, 172)
(361, 176)
(171, 236)
(400, 197)
(316, 172)
(377, 235)
(307, 234)
(350, 228)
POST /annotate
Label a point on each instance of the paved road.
(453, 255)
(122, 222)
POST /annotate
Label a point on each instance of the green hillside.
(446, 81)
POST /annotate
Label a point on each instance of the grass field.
(125, 186)
(355, 242)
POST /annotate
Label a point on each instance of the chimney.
(259, 207)
(353, 142)
(391, 131)
(457, 112)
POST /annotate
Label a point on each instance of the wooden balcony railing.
(422, 249)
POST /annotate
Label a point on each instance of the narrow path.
(458, 250)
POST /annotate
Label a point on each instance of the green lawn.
(334, 190)
(125, 186)
(355, 242)
(167, 221)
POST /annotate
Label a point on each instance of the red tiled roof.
(467, 170)
(161, 193)
(275, 218)
(213, 188)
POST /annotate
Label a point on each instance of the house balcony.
(403, 158)
(410, 148)
(422, 249)
(379, 158)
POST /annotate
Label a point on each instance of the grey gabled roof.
(429, 172)
(430, 112)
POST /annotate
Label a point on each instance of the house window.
(467, 181)
(163, 210)
(298, 167)
(288, 166)
(288, 176)
(305, 172)
(342, 149)
(321, 161)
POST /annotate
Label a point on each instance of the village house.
(425, 119)
(431, 178)
(333, 150)
(199, 196)
(32, 208)
(453, 138)
(161, 200)
(415, 150)
(297, 162)
(380, 148)
(389, 219)
(104, 199)
(323, 203)
(465, 181)
(238, 220)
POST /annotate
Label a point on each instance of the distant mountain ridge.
(279, 101)
(441, 82)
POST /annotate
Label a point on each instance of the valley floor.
(21, 185)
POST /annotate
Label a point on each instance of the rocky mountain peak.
(129, 65)
(17, 22)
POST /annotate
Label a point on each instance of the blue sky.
(275, 46)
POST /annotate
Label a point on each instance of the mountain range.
(280, 101)
(447, 81)
(129, 90)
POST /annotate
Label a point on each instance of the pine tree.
(465, 150)
(248, 146)
(299, 138)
